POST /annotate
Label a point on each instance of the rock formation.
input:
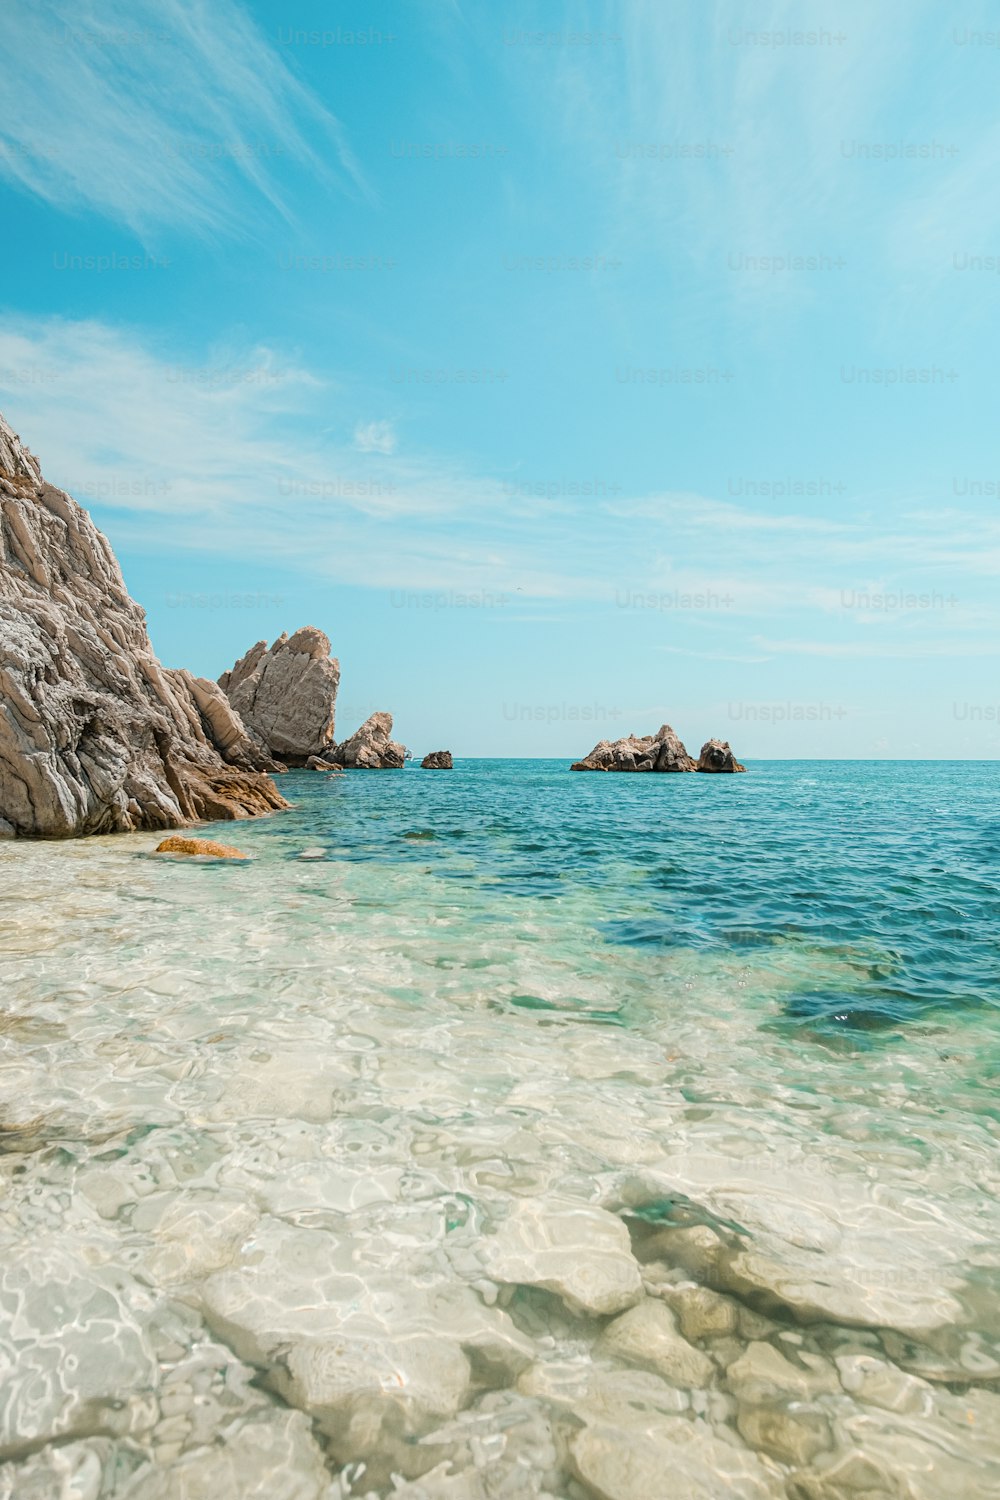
(95, 735)
(370, 748)
(286, 695)
(199, 849)
(438, 760)
(717, 756)
(662, 751)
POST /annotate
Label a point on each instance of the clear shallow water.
(335, 1176)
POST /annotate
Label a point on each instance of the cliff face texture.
(287, 695)
(95, 735)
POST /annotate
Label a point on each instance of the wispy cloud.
(248, 453)
(375, 437)
(157, 112)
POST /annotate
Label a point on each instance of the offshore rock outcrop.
(438, 760)
(716, 755)
(662, 751)
(287, 694)
(371, 748)
(95, 735)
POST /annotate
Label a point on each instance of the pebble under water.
(507, 1133)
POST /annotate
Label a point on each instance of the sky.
(576, 367)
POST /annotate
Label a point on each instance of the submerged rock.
(199, 847)
(790, 1436)
(579, 1252)
(373, 1356)
(763, 1374)
(662, 751)
(95, 735)
(674, 1456)
(438, 760)
(371, 747)
(272, 1455)
(287, 694)
(716, 755)
(647, 1336)
(811, 1249)
(77, 1360)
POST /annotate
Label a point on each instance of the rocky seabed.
(277, 1221)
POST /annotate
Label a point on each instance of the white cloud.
(156, 112)
(375, 437)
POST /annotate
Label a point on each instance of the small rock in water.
(206, 848)
(674, 1457)
(716, 755)
(438, 760)
(316, 763)
(579, 1252)
(313, 854)
(763, 1374)
(791, 1437)
(878, 1383)
(703, 1314)
(648, 1336)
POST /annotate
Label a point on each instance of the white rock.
(363, 1351)
(193, 1236)
(269, 1456)
(581, 1253)
(677, 1458)
(74, 1358)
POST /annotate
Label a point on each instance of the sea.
(504, 1132)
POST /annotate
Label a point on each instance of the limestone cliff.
(95, 735)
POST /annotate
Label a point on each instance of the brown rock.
(438, 760)
(370, 748)
(95, 735)
(287, 694)
(203, 847)
(717, 756)
(314, 763)
(662, 751)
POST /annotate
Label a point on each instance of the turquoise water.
(894, 871)
(377, 1171)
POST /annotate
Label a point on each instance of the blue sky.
(575, 367)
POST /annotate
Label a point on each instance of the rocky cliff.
(95, 735)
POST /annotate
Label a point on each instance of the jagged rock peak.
(287, 694)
